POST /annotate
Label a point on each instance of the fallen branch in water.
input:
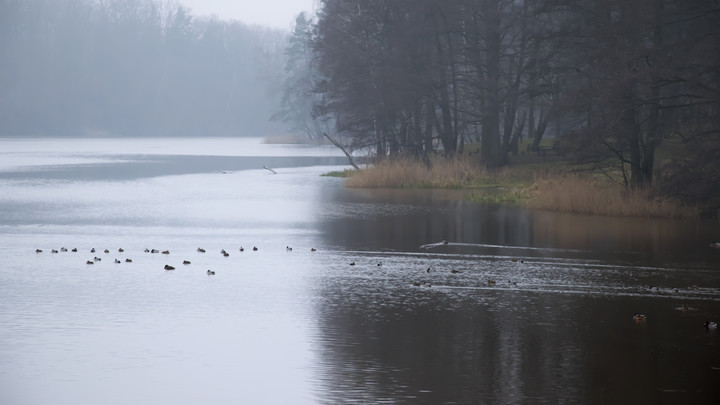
(267, 168)
(336, 143)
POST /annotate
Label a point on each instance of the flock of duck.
(167, 267)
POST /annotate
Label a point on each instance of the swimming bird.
(89, 262)
(352, 263)
(379, 264)
(121, 250)
(97, 259)
(222, 251)
(92, 250)
(147, 250)
(186, 261)
(54, 251)
(74, 249)
(128, 260)
(288, 248)
(62, 249)
(453, 271)
(210, 273)
(226, 254)
(169, 267)
(117, 261)
(444, 242)
(710, 325)
(714, 244)
(242, 249)
(166, 252)
(491, 282)
(639, 317)
(106, 251)
(201, 250)
(38, 250)
(154, 251)
(255, 248)
(313, 249)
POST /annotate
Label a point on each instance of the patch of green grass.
(342, 174)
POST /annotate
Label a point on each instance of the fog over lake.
(518, 307)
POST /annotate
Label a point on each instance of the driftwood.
(267, 168)
(342, 148)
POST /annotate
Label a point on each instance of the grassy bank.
(539, 185)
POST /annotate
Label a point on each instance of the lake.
(352, 296)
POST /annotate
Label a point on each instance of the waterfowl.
(121, 250)
(74, 249)
(255, 248)
(166, 252)
(128, 260)
(242, 249)
(89, 262)
(117, 261)
(97, 259)
(92, 250)
(106, 251)
(62, 249)
(38, 250)
(186, 261)
(714, 244)
(710, 325)
(453, 271)
(428, 270)
(54, 251)
(201, 250)
(288, 248)
(169, 267)
(154, 251)
(313, 249)
(210, 273)
(491, 282)
(147, 250)
(444, 242)
(379, 264)
(639, 317)
(222, 251)
(226, 254)
(352, 263)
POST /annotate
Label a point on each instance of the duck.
(169, 267)
(166, 252)
(453, 271)
(128, 260)
(154, 251)
(97, 259)
(121, 250)
(222, 251)
(74, 250)
(352, 263)
(117, 261)
(106, 251)
(92, 250)
(288, 248)
(379, 264)
(715, 245)
(255, 248)
(210, 272)
(89, 262)
(62, 249)
(710, 325)
(186, 261)
(491, 282)
(147, 250)
(242, 249)
(639, 317)
(226, 254)
(54, 251)
(313, 250)
(201, 250)
(38, 250)
(444, 242)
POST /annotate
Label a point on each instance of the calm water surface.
(414, 320)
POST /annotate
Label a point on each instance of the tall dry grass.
(584, 195)
(409, 173)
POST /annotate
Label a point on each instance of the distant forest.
(134, 68)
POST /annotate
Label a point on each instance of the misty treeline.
(135, 68)
(609, 80)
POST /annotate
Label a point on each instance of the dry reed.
(409, 173)
(584, 195)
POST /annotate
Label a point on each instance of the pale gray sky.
(273, 13)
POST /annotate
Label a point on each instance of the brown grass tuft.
(584, 195)
(409, 173)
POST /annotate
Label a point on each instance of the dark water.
(414, 320)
